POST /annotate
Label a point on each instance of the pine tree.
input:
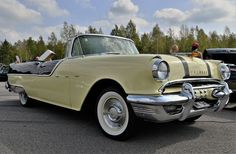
(68, 32)
(5, 52)
(131, 32)
(40, 46)
(145, 43)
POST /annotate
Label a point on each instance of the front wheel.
(114, 115)
(24, 99)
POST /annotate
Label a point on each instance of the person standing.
(174, 49)
(195, 50)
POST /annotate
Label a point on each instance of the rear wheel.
(24, 99)
(114, 115)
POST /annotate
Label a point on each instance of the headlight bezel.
(224, 71)
(160, 70)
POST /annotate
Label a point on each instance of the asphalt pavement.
(47, 129)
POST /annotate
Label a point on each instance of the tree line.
(153, 42)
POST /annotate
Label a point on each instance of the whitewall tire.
(114, 115)
(24, 99)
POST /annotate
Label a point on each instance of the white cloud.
(11, 35)
(171, 14)
(123, 7)
(141, 23)
(213, 11)
(15, 13)
(34, 32)
(204, 11)
(50, 7)
(120, 13)
(80, 28)
(47, 30)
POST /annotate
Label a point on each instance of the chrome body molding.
(195, 80)
(183, 105)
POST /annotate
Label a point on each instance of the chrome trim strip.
(196, 80)
(104, 35)
(209, 86)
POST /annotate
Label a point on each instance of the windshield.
(106, 45)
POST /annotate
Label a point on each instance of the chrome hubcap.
(113, 113)
(23, 98)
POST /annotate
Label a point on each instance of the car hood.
(189, 66)
(180, 66)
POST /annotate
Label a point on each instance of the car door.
(54, 88)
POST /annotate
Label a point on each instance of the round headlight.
(225, 71)
(160, 70)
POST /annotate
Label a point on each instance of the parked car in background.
(107, 73)
(3, 72)
(228, 55)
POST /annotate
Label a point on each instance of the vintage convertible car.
(108, 72)
(228, 55)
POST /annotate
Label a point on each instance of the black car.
(228, 55)
(3, 72)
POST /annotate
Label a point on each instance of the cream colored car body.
(108, 73)
(73, 78)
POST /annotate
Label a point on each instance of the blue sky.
(20, 19)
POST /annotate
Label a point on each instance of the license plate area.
(201, 105)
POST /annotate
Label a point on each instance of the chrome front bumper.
(153, 107)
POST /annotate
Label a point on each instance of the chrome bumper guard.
(152, 107)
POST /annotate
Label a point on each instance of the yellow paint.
(69, 85)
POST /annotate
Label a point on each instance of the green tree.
(31, 48)
(52, 42)
(59, 50)
(41, 47)
(202, 39)
(131, 32)
(157, 40)
(21, 50)
(183, 38)
(170, 40)
(214, 40)
(119, 31)
(145, 43)
(232, 41)
(5, 52)
(92, 30)
(68, 32)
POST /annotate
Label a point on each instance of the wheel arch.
(90, 99)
